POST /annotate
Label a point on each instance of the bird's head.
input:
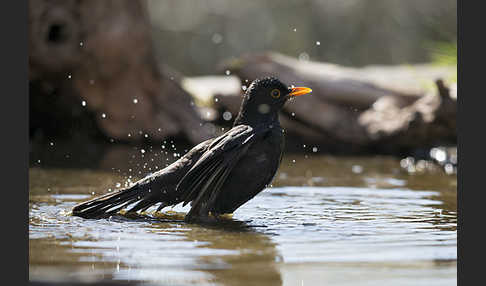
(264, 98)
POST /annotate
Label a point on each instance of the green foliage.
(445, 54)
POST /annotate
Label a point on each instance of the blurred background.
(383, 73)
(136, 71)
(196, 36)
(367, 188)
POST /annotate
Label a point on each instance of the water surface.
(325, 220)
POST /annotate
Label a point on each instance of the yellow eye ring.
(275, 93)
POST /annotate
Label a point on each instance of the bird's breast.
(261, 158)
(252, 173)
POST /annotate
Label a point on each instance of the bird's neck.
(257, 119)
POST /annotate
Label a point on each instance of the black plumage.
(220, 174)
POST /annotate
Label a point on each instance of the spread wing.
(203, 182)
(153, 189)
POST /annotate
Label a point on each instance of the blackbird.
(220, 174)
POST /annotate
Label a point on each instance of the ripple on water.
(288, 224)
(342, 224)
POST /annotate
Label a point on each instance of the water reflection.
(325, 220)
(160, 248)
(250, 259)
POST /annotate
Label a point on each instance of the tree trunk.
(95, 62)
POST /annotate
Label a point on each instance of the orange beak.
(297, 91)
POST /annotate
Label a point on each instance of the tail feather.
(142, 205)
(163, 183)
(111, 203)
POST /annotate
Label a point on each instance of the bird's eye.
(275, 93)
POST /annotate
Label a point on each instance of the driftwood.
(429, 121)
(361, 109)
(92, 66)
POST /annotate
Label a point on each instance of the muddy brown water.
(325, 220)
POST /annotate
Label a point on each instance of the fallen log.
(352, 109)
(356, 87)
(429, 121)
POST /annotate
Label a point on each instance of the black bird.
(220, 174)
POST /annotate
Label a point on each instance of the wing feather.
(202, 183)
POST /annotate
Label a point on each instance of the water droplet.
(135, 101)
(217, 38)
(293, 114)
(318, 43)
(304, 57)
(314, 149)
(69, 76)
(295, 29)
(118, 185)
(227, 115)
(142, 151)
(438, 154)
(407, 162)
(216, 99)
(81, 44)
(243, 87)
(83, 103)
(449, 169)
(103, 115)
(227, 72)
(357, 169)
